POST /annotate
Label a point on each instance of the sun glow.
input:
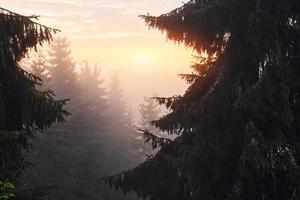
(141, 57)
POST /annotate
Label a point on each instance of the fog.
(107, 65)
(92, 105)
(108, 107)
(159, 84)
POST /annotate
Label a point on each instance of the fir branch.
(13, 14)
(155, 140)
(189, 78)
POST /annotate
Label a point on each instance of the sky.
(110, 32)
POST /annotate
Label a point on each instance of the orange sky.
(110, 32)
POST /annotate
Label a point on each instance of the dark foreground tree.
(24, 111)
(239, 121)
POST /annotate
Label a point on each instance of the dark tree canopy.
(238, 124)
(24, 110)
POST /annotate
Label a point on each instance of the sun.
(141, 57)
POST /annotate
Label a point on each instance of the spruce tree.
(94, 95)
(121, 127)
(119, 112)
(238, 122)
(58, 154)
(74, 156)
(129, 119)
(117, 102)
(149, 112)
(25, 111)
(62, 71)
(38, 67)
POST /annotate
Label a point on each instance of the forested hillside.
(63, 130)
(96, 140)
(70, 128)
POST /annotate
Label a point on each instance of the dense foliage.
(4, 190)
(24, 110)
(238, 123)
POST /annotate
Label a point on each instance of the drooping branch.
(20, 33)
(13, 14)
(155, 140)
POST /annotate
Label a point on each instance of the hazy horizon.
(110, 32)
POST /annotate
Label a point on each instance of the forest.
(74, 129)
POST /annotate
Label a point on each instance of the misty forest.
(69, 129)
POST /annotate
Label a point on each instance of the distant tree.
(117, 103)
(129, 119)
(121, 126)
(38, 67)
(63, 142)
(75, 155)
(149, 111)
(238, 123)
(62, 70)
(25, 111)
(94, 95)
(120, 114)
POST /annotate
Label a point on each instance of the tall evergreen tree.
(238, 123)
(129, 119)
(25, 111)
(38, 67)
(62, 71)
(75, 155)
(63, 146)
(119, 112)
(117, 103)
(121, 128)
(94, 95)
(149, 112)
